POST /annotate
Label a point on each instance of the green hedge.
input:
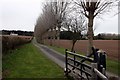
(10, 42)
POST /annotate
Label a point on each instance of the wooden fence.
(86, 67)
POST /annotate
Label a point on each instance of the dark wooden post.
(101, 62)
(94, 76)
(74, 59)
(96, 57)
(95, 54)
(66, 62)
(104, 60)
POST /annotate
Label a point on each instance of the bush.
(10, 42)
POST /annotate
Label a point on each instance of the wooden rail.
(93, 71)
(80, 56)
(100, 74)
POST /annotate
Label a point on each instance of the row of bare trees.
(75, 16)
(52, 17)
(45, 21)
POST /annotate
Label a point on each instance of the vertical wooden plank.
(66, 65)
(94, 76)
(74, 59)
(103, 71)
(104, 60)
(96, 57)
(101, 62)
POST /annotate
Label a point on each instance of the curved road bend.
(57, 57)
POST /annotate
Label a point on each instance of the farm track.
(50, 53)
(57, 57)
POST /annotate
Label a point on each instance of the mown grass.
(62, 50)
(111, 65)
(29, 62)
(59, 49)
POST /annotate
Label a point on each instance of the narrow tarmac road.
(55, 56)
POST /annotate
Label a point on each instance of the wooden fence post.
(66, 63)
(102, 59)
(94, 76)
(74, 59)
(96, 57)
(103, 71)
(102, 62)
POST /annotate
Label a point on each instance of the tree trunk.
(90, 32)
(40, 39)
(51, 37)
(73, 44)
(58, 34)
(50, 41)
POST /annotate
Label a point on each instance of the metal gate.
(88, 67)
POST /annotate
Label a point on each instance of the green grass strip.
(29, 62)
(112, 65)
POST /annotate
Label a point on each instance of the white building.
(13, 34)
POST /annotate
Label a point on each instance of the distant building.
(13, 34)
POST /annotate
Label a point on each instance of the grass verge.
(112, 65)
(28, 62)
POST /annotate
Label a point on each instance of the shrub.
(10, 42)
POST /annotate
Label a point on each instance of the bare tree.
(91, 9)
(45, 21)
(59, 10)
(52, 17)
(76, 23)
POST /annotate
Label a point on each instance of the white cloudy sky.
(22, 15)
(19, 14)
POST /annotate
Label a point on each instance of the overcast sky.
(22, 15)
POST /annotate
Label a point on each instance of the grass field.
(28, 62)
(109, 46)
(112, 65)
